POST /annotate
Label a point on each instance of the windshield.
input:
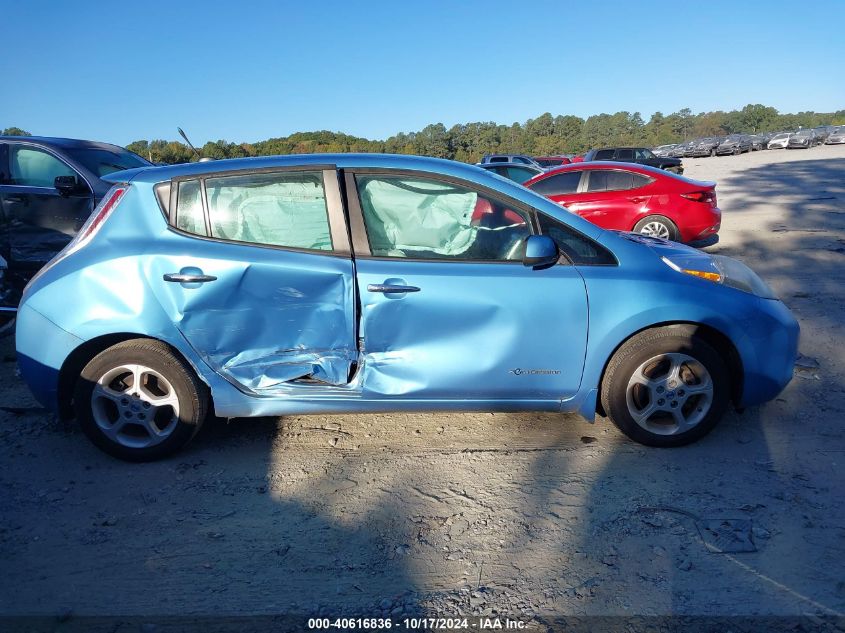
(779, 136)
(106, 161)
(805, 133)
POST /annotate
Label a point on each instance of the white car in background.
(779, 141)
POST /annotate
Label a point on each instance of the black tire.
(670, 226)
(191, 393)
(712, 153)
(737, 150)
(638, 350)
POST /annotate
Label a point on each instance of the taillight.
(96, 219)
(701, 196)
(89, 229)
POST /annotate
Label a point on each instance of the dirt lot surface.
(527, 515)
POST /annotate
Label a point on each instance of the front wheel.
(657, 226)
(666, 387)
(138, 401)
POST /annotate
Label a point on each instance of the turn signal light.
(709, 276)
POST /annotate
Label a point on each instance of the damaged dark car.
(48, 188)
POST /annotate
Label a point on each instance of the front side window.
(559, 184)
(644, 154)
(33, 167)
(275, 209)
(421, 218)
(580, 250)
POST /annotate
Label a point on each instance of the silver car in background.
(837, 136)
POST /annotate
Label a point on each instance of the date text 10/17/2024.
(422, 623)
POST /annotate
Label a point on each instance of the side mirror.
(541, 252)
(66, 185)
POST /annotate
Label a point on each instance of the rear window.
(557, 185)
(104, 161)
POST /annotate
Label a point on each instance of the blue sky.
(244, 71)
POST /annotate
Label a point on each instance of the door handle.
(637, 199)
(391, 289)
(188, 278)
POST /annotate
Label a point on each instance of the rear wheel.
(138, 401)
(657, 226)
(666, 387)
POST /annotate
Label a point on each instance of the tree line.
(545, 135)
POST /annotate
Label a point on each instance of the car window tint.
(604, 154)
(499, 159)
(619, 180)
(34, 167)
(429, 219)
(277, 209)
(640, 181)
(558, 184)
(625, 155)
(189, 215)
(104, 161)
(580, 249)
(519, 174)
(598, 180)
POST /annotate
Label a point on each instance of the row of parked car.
(741, 143)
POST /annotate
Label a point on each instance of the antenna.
(185, 136)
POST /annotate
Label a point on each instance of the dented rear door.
(260, 282)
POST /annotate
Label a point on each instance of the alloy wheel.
(669, 394)
(135, 406)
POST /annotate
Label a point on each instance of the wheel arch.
(714, 337)
(82, 355)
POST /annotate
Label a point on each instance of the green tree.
(14, 131)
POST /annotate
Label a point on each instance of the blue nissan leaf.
(363, 283)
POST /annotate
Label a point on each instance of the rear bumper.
(699, 223)
(42, 347)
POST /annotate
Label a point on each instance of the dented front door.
(265, 292)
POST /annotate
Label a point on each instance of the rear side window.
(580, 249)
(558, 184)
(276, 209)
(604, 154)
(189, 214)
(499, 159)
(625, 155)
(33, 167)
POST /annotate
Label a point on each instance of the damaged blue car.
(364, 283)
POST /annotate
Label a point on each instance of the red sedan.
(630, 197)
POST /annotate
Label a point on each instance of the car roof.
(156, 174)
(489, 166)
(64, 143)
(645, 170)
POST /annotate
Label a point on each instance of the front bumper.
(769, 353)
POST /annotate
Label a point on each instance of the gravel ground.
(528, 515)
